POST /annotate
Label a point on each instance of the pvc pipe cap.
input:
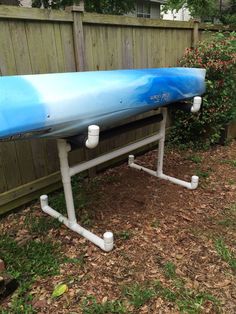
(93, 130)
(108, 237)
(43, 198)
(195, 179)
(197, 100)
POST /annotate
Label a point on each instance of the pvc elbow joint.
(93, 136)
(197, 101)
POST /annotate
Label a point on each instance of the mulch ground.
(154, 222)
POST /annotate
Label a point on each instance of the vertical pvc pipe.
(161, 143)
(63, 150)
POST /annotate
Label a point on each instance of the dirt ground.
(163, 233)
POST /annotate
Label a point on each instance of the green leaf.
(59, 290)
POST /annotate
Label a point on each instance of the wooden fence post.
(78, 35)
(195, 33)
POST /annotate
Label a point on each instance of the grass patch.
(81, 200)
(195, 158)
(33, 259)
(26, 263)
(41, 225)
(20, 302)
(228, 218)
(124, 235)
(227, 222)
(139, 295)
(155, 224)
(165, 292)
(57, 199)
(170, 270)
(231, 162)
(231, 182)
(192, 303)
(225, 253)
(232, 208)
(202, 174)
(91, 306)
(76, 260)
(187, 300)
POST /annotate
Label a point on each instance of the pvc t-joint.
(93, 136)
(197, 101)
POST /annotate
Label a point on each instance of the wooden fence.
(46, 41)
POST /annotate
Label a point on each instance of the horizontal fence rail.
(36, 41)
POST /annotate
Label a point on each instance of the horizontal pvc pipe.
(105, 244)
(141, 168)
(189, 185)
(118, 152)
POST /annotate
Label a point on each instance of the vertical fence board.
(3, 180)
(10, 165)
(7, 60)
(127, 47)
(68, 47)
(49, 46)
(51, 156)
(36, 51)
(59, 48)
(20, 47)
(39, 158)
(78, 36)
(99, 33)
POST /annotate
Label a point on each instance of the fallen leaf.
(59, 290)
(222, 284)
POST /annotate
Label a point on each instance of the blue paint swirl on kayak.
(64, 104)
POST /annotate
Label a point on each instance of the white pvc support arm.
(93, 136)
(105, 243)
(159, 172)
(197, 102)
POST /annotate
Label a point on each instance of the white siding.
(181, 15)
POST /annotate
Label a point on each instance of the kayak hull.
(65, 104)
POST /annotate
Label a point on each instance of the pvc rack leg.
(159, 172)
(105, 243)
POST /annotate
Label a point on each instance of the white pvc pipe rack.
(106, 243)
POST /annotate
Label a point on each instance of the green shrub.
(218, 56)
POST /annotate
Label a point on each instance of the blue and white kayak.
(65, 104)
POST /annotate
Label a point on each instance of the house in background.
(147, 9)
(153, 9)
(184, 15)
(143, 8)
(181, 15)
